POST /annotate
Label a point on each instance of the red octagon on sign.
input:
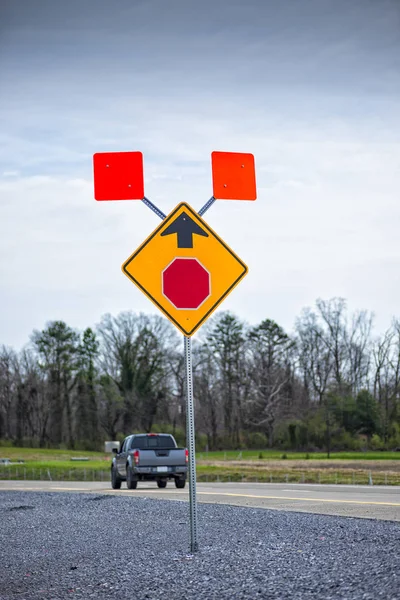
(186, 283)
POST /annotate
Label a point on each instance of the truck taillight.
(186, 455)
(136, 457)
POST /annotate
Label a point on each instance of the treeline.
(330, 385)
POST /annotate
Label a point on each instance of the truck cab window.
(139, 442)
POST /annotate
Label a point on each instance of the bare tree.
(57, 351)
(37, 404)
(348, 344)
(86, 409)
(333, 334)
(270, 371)
(358, 349)
(134, 350)
(226, 340)
(8, 390)
(208, 394)
(386, 356)
(315, 356)
(317, 361)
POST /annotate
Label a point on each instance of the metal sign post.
(190, 437)
(184, 267)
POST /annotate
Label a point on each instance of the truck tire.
(115, 480)
(162, 483)
(131, 479)
(180, 482)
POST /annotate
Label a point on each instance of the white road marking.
(334, 501)
(298, 491)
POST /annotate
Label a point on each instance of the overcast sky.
(311, 87)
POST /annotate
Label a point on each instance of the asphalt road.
(343, 500)
(55, 546)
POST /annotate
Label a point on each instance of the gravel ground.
(56, 546)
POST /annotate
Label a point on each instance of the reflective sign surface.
(185, 268)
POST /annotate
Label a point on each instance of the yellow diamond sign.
(185, 269)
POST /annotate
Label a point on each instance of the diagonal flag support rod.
(153, 207)
(207, 205)
(190, 429)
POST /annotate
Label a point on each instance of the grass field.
(261, 465)
(279, 454)
(40, 454)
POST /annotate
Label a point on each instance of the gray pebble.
(114, 547)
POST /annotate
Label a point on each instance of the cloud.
(63, 251)
(311, 91)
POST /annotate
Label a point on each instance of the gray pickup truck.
(149, 457)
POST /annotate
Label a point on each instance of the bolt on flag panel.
(185, 268)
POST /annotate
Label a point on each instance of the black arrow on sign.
(185, 227)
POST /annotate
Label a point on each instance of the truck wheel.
(180, 482)
(131, 480)
(162, 483)
(115, 480)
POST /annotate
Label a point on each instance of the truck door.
(121, 457)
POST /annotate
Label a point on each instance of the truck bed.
(167, 457)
